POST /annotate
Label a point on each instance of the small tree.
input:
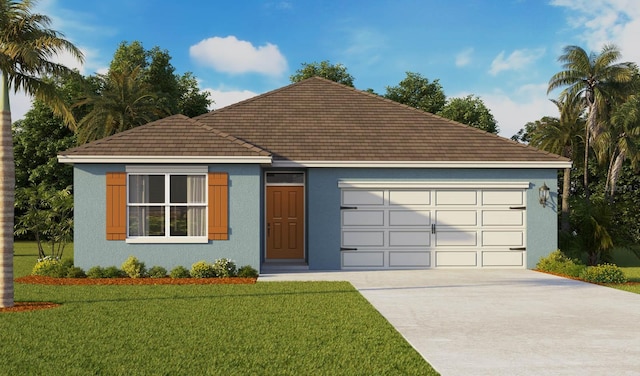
(48, 215)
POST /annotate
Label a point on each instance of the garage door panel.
(363, 218)
(409, 217)
(357, 197)
(409, 238)
(409, 259)
(456, 198)
(456, 258)
(435, 227)
(363, 259)
(502, 218)
(456, 238)
(502, 238)
(454, 218)
(399, 197)
(363, 238)
(490, 258)
(502, 197)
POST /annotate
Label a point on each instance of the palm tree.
(597, 79)
(562, 136)
(124, 101)
(27, 47)
(621, 141)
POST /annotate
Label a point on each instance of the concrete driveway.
(503, 322)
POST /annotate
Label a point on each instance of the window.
(167, 205)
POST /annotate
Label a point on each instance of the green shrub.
(134, 267)
(50, 267)
(96, 272)
(202, 269)
(113, 272)
(224, 268)
(75, 272)
(247, 271)
(179, 272)
(157, 272)
(558, 263)
(604, 273)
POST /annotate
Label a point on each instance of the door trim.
(304, 208)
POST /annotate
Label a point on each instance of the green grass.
(285, 328)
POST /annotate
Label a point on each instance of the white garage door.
(440, 227)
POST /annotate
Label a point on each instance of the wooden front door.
(285, 222)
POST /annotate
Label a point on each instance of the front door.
(285, 222)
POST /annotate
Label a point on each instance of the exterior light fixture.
(544, 194)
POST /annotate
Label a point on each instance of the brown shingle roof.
(320, 120)
(316, 120)
(175, 135)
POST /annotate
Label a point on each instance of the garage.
(429, 224)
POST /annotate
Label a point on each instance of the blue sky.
(504, 51)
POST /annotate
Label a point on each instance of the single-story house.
(319, 174)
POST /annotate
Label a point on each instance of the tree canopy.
(324, 69)
(416, 91)
(470, 110)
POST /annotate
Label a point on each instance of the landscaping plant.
(134, 267)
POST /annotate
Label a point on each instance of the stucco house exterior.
(318, 174)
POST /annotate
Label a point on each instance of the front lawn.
(286, 328)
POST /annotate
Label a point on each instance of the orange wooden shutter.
(116, 205)
(218, 206)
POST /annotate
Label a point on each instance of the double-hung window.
(167, 207)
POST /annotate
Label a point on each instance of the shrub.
(202, 269)
(134, 267)
(50, 267)
(96, 272)
(247, 271)
(157, 272)
(75, 272)
(558, 263)
(113, 272)
(604, 273)
(224, 268)
(179, 272)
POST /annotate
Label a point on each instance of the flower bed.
(42, 280)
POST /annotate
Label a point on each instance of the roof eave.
(424, 164)
(164, 159)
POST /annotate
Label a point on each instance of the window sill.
(167, 240)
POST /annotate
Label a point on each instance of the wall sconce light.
(544, 195)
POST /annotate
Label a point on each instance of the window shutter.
(218, 206)
(116, 205)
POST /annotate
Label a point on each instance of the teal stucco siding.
(323, 205)
(92, 249)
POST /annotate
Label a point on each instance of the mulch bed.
(34, 279)
(29, 306)
(32, 306)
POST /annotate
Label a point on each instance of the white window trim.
(167, 171)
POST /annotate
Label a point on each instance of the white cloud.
(606, 21)
(518, 59)
(463, 58)
(223, 98)
(513, 110)
(235, 56)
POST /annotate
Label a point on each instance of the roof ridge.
(230, 137)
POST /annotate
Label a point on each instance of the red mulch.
(29, 306)
(34, 279)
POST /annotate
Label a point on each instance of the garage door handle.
(518, 207)
(348, 249)
(433, 228)
(518, 248)
(348, 207)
